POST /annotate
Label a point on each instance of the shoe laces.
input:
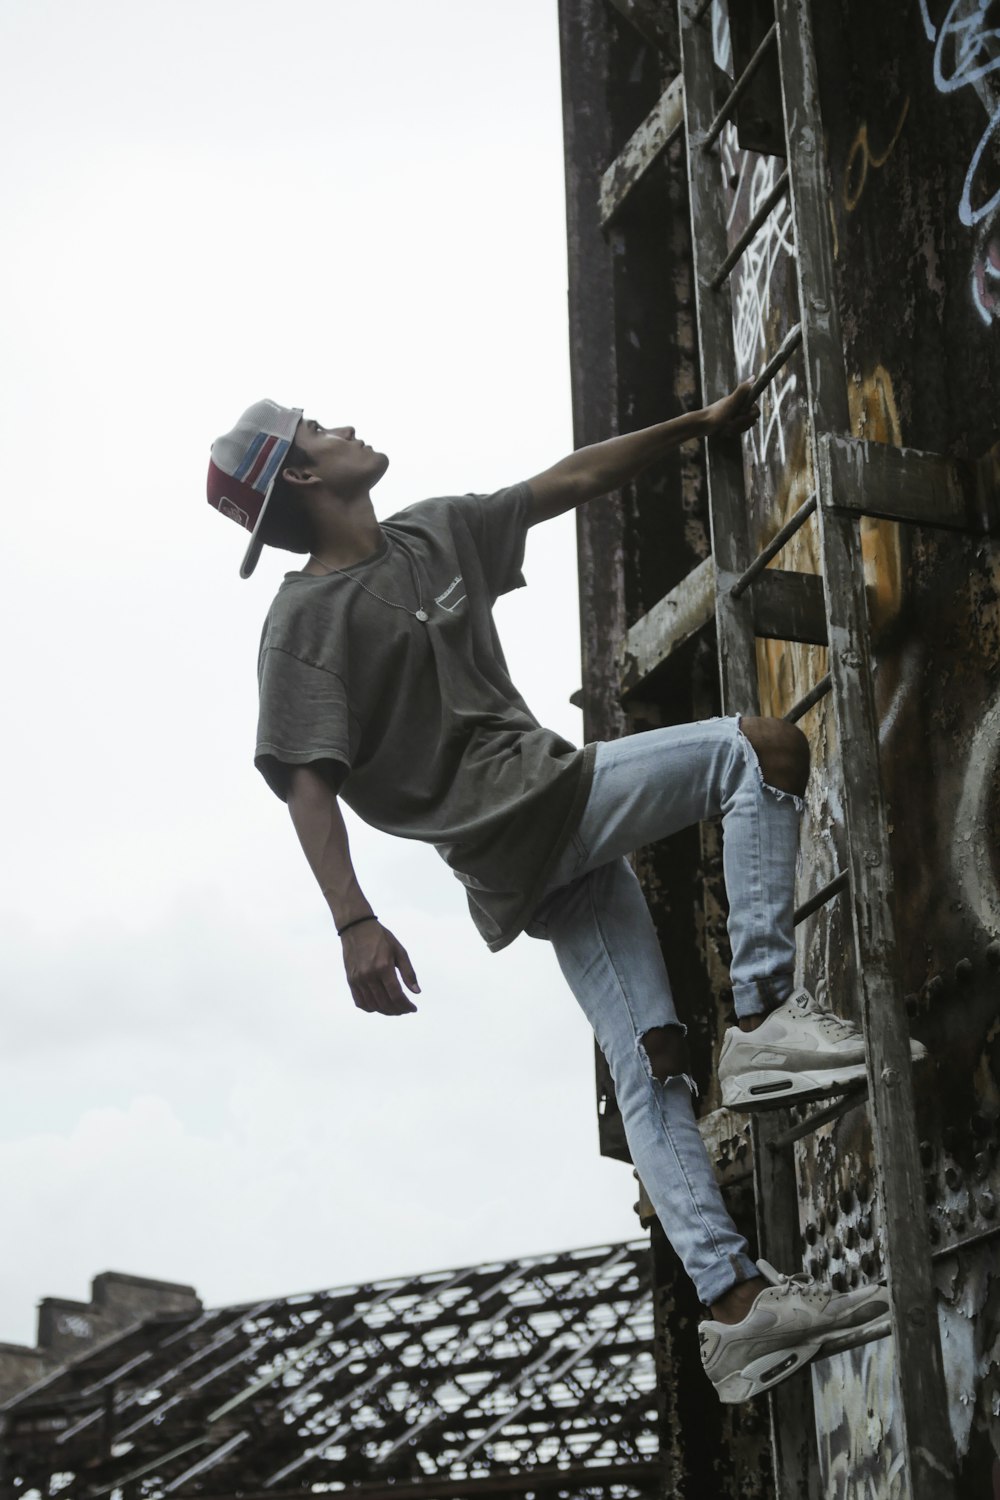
(800, 1285)
(832, 1025)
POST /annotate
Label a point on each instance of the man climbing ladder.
(383, 682)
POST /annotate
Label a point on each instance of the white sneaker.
(785, 1329)
(798, 1053)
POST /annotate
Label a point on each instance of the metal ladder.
(748, 600)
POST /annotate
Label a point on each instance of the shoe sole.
(773, 1088)
(765, 1372)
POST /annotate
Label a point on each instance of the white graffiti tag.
(967, 55)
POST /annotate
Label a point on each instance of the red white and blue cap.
(244, 466)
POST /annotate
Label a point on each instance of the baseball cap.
(244, 465)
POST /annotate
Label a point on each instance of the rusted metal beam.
(662, 125)
(673, 620)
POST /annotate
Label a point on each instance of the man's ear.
(300, 478)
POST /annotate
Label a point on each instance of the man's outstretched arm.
(373, 959)
(602, 467)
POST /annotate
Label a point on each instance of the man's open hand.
(734, 414)
(373, 961)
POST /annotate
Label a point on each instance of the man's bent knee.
(782, 751)
(666, 1049)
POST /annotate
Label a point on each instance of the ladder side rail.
(790, 1405)
(929, 1448)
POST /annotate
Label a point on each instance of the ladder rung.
(878, 1328)
(968, 1243)
(661, 126)
(848, 1100)
(775, 363)
(741, 85)
(774, 546)
(899, 484)
(822, 896)
(763, 212)
(808, 700)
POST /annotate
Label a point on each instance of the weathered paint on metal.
(910, 105)
(657, 130)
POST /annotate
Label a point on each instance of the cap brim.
(252, 555)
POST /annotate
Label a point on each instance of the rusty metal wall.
(911, 108)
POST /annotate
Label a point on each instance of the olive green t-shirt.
(417, 725)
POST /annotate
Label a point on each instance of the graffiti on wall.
(966, 38)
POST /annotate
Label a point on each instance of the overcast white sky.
(358, 210)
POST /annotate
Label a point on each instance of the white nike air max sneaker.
(800, 1052)
(785, 1328)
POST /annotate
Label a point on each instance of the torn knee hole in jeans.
(670, 1075)
(751, 758)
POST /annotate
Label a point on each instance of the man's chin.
(380, 462)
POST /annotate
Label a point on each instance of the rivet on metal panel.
(837, 1249)
(987, 1204)
(810, 1234)
(993, 953)
(935, 987)
(890, 1078)
(964, 970)
(982, 1164)
(864, 1189)
(838, 1281)
(851, 1237)
(956, 1218)
(867, 1263)
(865, 1226)
(846, 1199)
(833, 1213)
(953, 1177)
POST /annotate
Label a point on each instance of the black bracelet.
(347, 925)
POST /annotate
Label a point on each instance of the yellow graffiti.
(861, 157)
(875, 416)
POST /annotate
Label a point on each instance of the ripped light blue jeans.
(593, 912)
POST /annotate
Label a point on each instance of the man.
(382, 682)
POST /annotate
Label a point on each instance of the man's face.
(346, 465)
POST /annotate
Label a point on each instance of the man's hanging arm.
(373, 958)
(603, 467)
